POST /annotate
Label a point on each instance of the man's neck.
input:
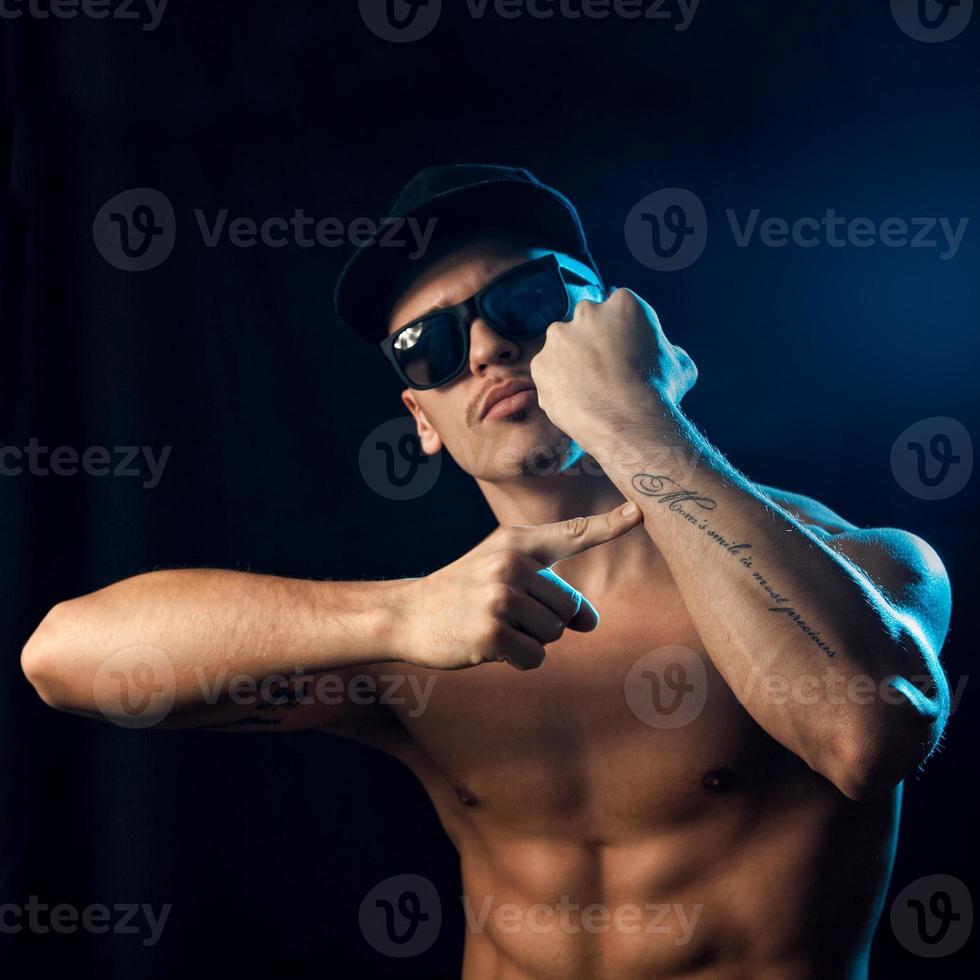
(583, 492)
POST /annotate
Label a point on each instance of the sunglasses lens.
(431, 352)
(526, 303)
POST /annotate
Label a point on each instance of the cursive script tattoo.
(278, 696)
(241, 723)
(801, 622)
(670, 493)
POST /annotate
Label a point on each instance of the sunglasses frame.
(464, 313)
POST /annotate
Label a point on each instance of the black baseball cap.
(459, 196)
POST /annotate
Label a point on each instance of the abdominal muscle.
(784, 898)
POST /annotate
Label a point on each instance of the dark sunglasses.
(519, 305)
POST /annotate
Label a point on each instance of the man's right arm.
(221, 642)
(234, 650)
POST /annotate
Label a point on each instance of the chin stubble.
(542, 460)
(545, 460)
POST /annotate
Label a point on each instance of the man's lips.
(513, 403)
(509, 398)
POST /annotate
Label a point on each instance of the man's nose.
(487, 347)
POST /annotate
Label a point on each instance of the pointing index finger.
(551, 543)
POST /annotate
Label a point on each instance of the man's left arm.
(827, 633)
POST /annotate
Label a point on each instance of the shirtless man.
(706, 782)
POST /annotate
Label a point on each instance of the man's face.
(487, 446)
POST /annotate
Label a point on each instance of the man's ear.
(430, 439)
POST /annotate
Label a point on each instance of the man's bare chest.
(632, 719)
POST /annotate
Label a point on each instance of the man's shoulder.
(851, 539)
(903, 565)
(808, 511)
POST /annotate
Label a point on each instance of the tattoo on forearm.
(670, 493)
(241, 722)
(280, 696)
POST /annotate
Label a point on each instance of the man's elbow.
(41, 659)
(863, 784)
(867, 766)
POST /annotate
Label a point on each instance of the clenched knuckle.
(494, 635)
(531, 658)
(482, 642)
(499, 598)
(508, 539)
(566, 611)
(507, 564)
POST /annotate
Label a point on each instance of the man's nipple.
(465, 796)
(719, 780)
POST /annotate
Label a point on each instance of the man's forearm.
(210, 627)
(771, 601)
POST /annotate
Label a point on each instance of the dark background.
(811, 364)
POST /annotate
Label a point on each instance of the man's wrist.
(656, 427)
(362, 623)
(389, 620)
